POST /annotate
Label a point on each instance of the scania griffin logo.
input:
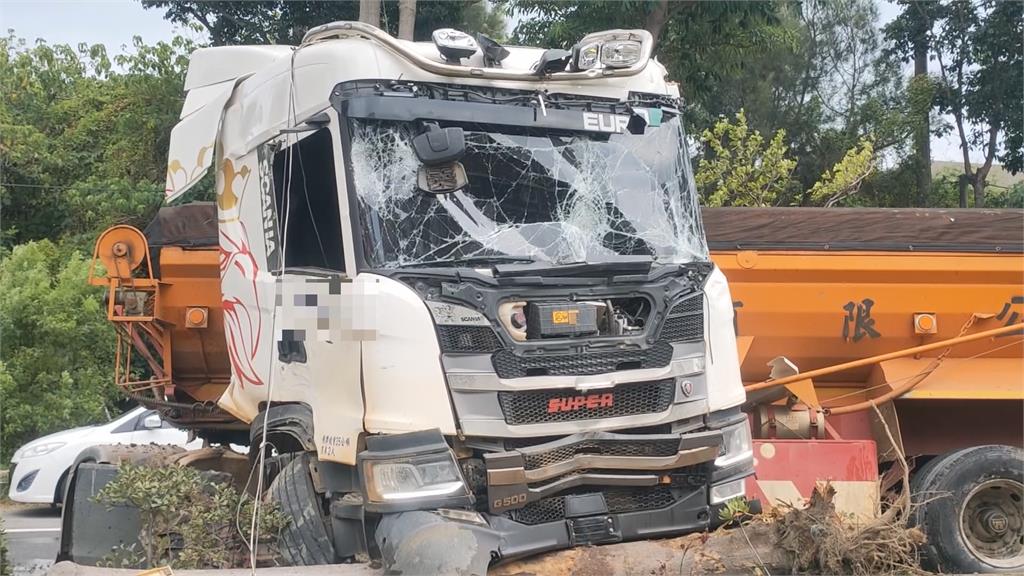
(574, 403)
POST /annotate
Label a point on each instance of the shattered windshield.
(532, 196)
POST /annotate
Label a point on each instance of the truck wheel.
(972, 510)
(305, 540)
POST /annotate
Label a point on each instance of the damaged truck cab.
(466, 294)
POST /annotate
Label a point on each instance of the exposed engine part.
(474, 471)
(797, 422)
(560, 319)
(513, 317)
(566, 319)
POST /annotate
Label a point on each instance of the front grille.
(479, 339)
(639, 448)
(618, 501)
(509, 365)
(685, 321)
(532, 407)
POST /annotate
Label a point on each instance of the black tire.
(305, 541)
(971, 510)
(58, 492)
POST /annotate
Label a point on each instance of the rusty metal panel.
(787, 470)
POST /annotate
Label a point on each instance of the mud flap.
(426, 543)
(90, 530)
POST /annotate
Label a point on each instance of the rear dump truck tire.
(970, 506)
(305, 541)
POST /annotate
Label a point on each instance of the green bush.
(57, 346)
(5, 563)
(188, 521)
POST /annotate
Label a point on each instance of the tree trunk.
(406, 19)
(656, 19)
(369, 12)
(963, 183)
(922, 135)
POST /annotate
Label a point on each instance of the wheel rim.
(992, 523)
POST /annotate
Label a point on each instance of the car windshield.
(532, 196)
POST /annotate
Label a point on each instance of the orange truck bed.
(827, 286)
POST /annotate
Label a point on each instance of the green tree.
(57, 346)
(979, 48)
(910, 35)
(742, 169)
(845, 178)
(84, 145)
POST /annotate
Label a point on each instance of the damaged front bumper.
(583, 489)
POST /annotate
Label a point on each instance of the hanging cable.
(261, 456)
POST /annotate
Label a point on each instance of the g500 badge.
(504, 498)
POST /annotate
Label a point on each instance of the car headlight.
(736, 445)
(38, 449)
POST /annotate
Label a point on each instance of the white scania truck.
(462, 290)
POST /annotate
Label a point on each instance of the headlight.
(589, 56)
(453, 44)
(612, 49)
(736, 445)
(620, 53)
(401, 479)
(39, 449)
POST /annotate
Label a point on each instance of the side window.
(306, 193)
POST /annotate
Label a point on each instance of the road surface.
(33, 533)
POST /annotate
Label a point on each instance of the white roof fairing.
(244, 94)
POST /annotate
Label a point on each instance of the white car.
(41, 466)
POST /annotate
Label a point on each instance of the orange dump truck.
(914, 311)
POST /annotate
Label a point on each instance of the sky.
(113, 23)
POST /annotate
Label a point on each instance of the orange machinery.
(164, 300)
(867, 288)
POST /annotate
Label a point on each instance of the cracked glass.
(557, 198)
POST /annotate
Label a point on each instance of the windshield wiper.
(496, 259)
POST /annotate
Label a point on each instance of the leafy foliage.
(978, 46)
(285, 22)
(5, 563)
(742, 169)
(845, 178)
(188, 521)
(84, 145)
(57, 346)
(734, 510)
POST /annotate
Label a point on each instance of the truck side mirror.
(439, 145)
(152, 422)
